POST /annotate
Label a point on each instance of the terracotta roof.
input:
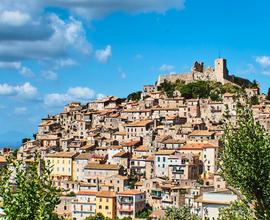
(3, 159)
(130, 143)
(201, 133)
(130, 192)
(198, 146)
(159, 214)
(173, 141)
(120, 154)
(96, 166)
(87, 147)
(120, 133)
(139, 183)
(84, 156)
(136, 110)
(142, 148)
(150, 158)
(106, 194)
(227, 94)
(165, 152)
(139, 123)
(86, 193)
(171, 117)
(63, 154)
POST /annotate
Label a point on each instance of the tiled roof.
(142, 148)
(139, 123)
(201, 133)
(165, 152)
(198, 146)
(63, 154)
(87, 193)
(97, 166)
(130, 192)
(106, 194)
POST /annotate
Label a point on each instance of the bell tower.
(221, 70)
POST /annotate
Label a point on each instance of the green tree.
(24, 140)
(238, 210)
(182, 213)
(29, 194)
(254, 100)
(268, 94)
(98, 216)
(134, 96)
(245, 161)
(167, 87)
(145, 212)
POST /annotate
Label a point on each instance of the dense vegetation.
(134, 96)
(199, 89)
(268, 94)
(35, 197)
(182, 213)
(245, 163)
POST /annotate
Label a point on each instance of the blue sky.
(56, 51)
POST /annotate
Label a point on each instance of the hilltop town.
(156, 149)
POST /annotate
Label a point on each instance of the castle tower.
(221, 70)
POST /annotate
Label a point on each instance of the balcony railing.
(122, 200)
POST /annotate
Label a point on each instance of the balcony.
(156, 194)
(125, 209)
(125, 200)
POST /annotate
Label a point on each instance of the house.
(106, 203)
(129, 203)
(162, 162)
(84, 205)
(138, 129)
(95, 172)
(62, 164)
(211, 202)
(64, 208)
(80, 161)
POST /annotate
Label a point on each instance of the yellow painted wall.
(102, 202)
(61, 166)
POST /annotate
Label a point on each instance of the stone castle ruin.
(198, 72)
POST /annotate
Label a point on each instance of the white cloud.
(50, 75)
(266, 72)
(166, 67)
(24, 91)
(97, 8)
(100, 96)
(65, 62)
(10, 65)
(6, 89)
(122, 73)
(104, 54)
(63, 38)
(27, 72)
(20, 110)
(81, 93)
(72, 94)
(264, 61)
(14, 18)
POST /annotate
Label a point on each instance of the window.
(106, 207)
(100, 207)
(158, 159)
